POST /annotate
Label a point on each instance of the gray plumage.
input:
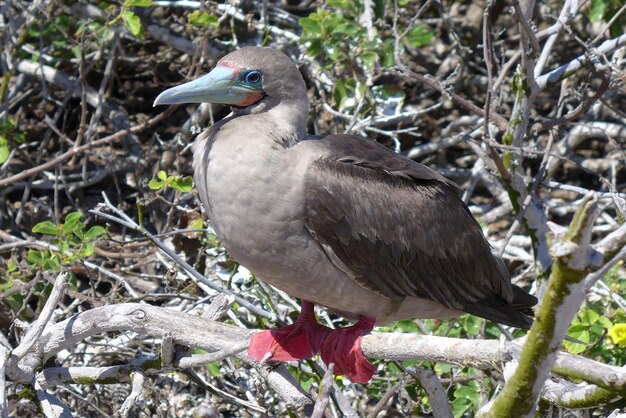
(340, 220)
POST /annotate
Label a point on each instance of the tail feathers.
(518, 313)
(523, 301)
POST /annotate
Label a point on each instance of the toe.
(343, 348)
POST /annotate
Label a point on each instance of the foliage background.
(106, 61)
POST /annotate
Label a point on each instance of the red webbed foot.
(306, 337)
(300, 340)
(343, 347)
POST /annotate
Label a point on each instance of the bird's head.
(242, 79)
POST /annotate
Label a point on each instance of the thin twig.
(123, 219)
(4, 406)
(78, 150)
(34, 332)
(323, 396)
(576, 64)
(137, 379)
(436, 393)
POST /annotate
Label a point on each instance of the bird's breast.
(253, 200)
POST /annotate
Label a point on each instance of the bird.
(336, 220)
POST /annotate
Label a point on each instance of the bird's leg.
(343, 347)
(300, 340)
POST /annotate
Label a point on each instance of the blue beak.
(218, 86)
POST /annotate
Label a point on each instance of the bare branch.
(323, 396)
(566, 70)
(35, 330)
(574, 257)
(78, 150)
(123, 219)
(50, 405)
(137, 379)
(436, 393)
(4, 407)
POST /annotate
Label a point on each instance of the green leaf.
(341, 93)
(95, 232)
(133, 23)
(598, 10)
(349, 29)
(16, 301)
(388, 59)
(442, 368)
(162, 175)
(52, 263)
(79, 234)
(465, 396)
(64, 247)
(574, 329)
(196, 224)
(340, 4)
(73, 217)
(333, 53)
(583, 336)
(581, 333)
(36, 257)
(574, 348)
(369, 58)
(19, 137)
(419, 36)
(47, 228)
(73, 282)
(155, 184)
(8, 285)
(6, 125)
(202, 19)
(4, 150)
(472, 324)
(182, 184)
(214, 368)
(605, 322)
(12, 266)
(310, 28)
(87, 250)
(408, 325)
(138, 3)
(306, 382)
(77, 51)
(315, 48)
(459, 406)
(72, 222)
(592, 316)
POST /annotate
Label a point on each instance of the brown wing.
(400, 229)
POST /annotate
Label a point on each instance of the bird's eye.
(253, 77)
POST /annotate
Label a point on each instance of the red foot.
(343, 347)
(306, 337)
(300, 340)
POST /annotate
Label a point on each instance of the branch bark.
(197, 332)
(575, 262)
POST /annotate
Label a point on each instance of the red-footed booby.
(336, 220)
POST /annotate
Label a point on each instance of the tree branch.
(574, 259)
(197, 332)
(566, 70)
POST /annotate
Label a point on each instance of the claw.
(267, 357)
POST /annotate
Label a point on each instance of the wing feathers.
(400, 229)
